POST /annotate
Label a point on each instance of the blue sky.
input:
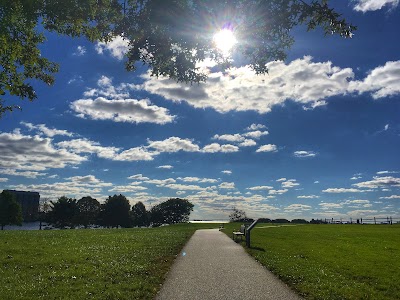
(317, 137)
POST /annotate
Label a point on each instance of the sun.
(224, 40)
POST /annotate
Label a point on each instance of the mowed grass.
(331, 261)
(89, 264)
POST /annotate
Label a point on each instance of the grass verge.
(331, 261)
(89, 264)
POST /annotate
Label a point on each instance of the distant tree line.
(238, 215)
(116, 211)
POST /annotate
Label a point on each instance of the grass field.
(331, 261)
(89, 264)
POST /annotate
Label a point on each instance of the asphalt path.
(213, 266)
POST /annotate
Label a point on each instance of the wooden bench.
(240, 233)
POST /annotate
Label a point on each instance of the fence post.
(375, 220)
(391, 221)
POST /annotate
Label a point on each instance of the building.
(29, 202)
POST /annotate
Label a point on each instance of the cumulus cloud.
(227, 185)
(198, 179)
(277, 192)
(391, 197)
(165, 167)
(122, 110)
(342, 190)
(371, 5)
(248, 143)
(229, 137)
(241, 89)
(80, 51)
(267, 148)
(256, 127)
(228, 172)
(379, 182)
(174, 144)
(88, 146)
(3, 179)
(387, 172)
(215, 147)
(297, 207)
(303, 154)
(135, 154)
(43, 129)
(260, 188)
(117, 48)
(326, 205)
(290, 183)
(308, 197)
(256, 134)
(26, 155)
(138, 177)
(184, 187)
(381, 81)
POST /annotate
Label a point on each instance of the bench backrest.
(242, 228)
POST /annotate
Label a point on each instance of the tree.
(174, 210)
(63, 212)
(115, 211)
(171, 37)
(88, 211)
(10, 210)
(139, 215)
(237, 215)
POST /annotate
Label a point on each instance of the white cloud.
(386, 127)
(260, 188)
(229, 137)
(355, 177)
(42, 128)
(277, 192)
(135, 154)
(256, 127)
(381, 81)
(127, 189)
(26, 155)
(122, 110)
(138, 177)
(281, 179)
(215, 147)
(267, 148)
(371, 5)
(290, 183)
(183, 187)
(3, 179)
(197, 179)
(174, 144)
(88, 180)
(302, 154)
(161, 182)
(256, 134)
(387, 172)
(248, 143)
(316, 181)
(228, 172)
(391, 197)
(118, 47)
(165, 167)
(297, 207)
(326, 205)
(379, 182)
(342, 190)
(80, 50)
(241, 89)
(308, 197)
(227, 185)
(88, 146)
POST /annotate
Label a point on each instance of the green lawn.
(331, 261)
(89, 264)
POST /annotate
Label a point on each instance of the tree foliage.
(174, 210)
(63, 212)
(88, 211)
(10, 210)
(115, 211)
(237, 215)
(139, 215)
(171, 37)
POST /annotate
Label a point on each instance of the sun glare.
(224, 40)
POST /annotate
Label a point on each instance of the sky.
(316, 137)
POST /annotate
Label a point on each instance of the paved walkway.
(212, 266)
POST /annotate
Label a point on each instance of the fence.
(368, 220)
